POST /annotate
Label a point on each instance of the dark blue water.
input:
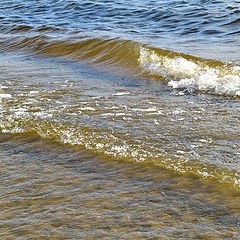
(206, 28)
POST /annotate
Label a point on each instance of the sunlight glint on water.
(119, 119)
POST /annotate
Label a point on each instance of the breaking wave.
(177, 70)
(192, 74)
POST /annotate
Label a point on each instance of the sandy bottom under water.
(49, 191)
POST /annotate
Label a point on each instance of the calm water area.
(119, 119)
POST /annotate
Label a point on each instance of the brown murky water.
(53, 192)
(91, 155)
(119, 119)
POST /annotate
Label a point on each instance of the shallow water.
(120, 120)
(137, 120)
(52, 192)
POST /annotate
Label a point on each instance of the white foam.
(120, 114)
(20, 111)
(5, 95)
(114, 114)
(42, 114)
(14, 130)
(33, 92)
(190, 75)
(228, 84)
(107, 114)
(87, 109)
(152, 109)
(165, 66)
(120, 93)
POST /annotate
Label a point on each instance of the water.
(119, 120)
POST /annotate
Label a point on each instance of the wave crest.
(184, 72)
(177, 70)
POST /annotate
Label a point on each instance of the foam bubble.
(33, 93)
(87, 109)
(120, 93)
(43, 114)
(114, 114)
(152, 109)
(190, 75)
(20, 111)
(5, 95)
(165, 66)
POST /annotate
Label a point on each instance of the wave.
(110, 144)
(192, 74)
(66, 111)
(177, 70)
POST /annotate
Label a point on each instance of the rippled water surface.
(119, 119)
(52, 192)
(195, 26)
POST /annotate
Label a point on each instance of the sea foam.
(181, 73)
